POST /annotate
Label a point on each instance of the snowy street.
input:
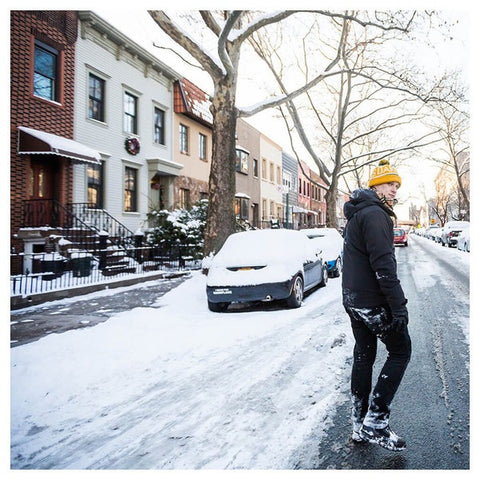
(175, 386)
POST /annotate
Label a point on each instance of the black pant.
(367, 325)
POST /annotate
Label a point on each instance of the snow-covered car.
(451, 231)
(264, 265)
(463, 240)
(429, 232)
(437, 235)
(330, 242)
(400, 237)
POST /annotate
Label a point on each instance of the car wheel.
(324, 281)
(296, 295)
(218, 307)
(337, 269)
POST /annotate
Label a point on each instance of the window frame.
(184, 198)
(133, 196)
(183, 140)
(102, 101)
(202, 146)
(99, 186)
(255, 167)
(241, 160)
(128, 115)
(159, 128)
(56, 80)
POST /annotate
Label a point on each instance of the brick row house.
(42, 150)
(104, 132)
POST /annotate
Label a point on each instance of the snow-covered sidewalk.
(176, 386)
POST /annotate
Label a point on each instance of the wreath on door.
(132, 145)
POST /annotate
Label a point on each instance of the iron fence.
(43, 272)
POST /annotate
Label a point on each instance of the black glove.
(399, 319)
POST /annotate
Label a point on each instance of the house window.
(264, 209)
(272, 176)
(130, 190)
(241, 161)
(130, 113)
(184, 198)
(183, 138)
(264, 168)
(95, 185)
(279, 212)
(96, 98)
(45, 72)
(287, 180)
(241, 208)
(255, 167)
(159, 126)
(279, 176)
(202, 146)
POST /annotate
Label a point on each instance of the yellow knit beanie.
(384, 173)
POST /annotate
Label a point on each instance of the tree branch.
(210, 22)
(223, 40)
(174, 32)
(260, 22)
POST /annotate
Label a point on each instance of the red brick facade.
(57, 29)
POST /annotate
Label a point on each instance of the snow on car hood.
(282, 253)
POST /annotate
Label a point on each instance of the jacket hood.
(361, 199)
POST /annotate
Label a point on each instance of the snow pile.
(177, 386)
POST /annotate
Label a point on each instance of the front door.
(42, 190)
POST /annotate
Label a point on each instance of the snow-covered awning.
(296, 209)
(35, 142)
(242, 195)
(162, 167)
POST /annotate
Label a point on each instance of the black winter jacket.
(369, 276)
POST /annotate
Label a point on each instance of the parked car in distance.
(400, 237)
(463, 240)
(450, 232)
(429, 231)
(330, 242)
(264, 265)
(437, 235)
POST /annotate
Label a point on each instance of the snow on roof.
(193, 101)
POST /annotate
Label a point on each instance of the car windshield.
(399, 231)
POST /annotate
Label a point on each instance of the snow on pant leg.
(399, 349)
(364, 354)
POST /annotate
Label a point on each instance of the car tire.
(218, 307)
(296, 296)
(337, 268)
(324, 280)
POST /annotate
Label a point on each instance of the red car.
(400, 237)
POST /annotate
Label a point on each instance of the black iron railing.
(100, 220)
(44, 272)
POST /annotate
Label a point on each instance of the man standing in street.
(376, 305)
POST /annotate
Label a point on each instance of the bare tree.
(231, 30)
(452, 119)
(362, 112)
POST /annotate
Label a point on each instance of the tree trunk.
(221, 209)
(331, 201)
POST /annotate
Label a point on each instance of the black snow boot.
(384, 437)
